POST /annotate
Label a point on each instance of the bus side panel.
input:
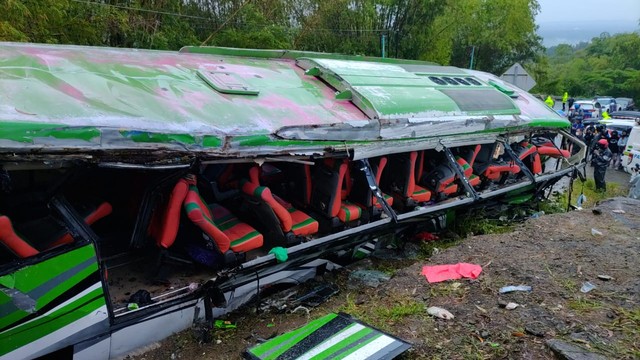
(52, 304)
(138, 335)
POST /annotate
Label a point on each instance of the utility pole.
(384, 36)
(473, 50)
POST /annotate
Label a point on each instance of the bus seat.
(441, 180)
(378, 167)
(166, 220)
(406, 170)
(331, 189)
(95, 214)
(13, 241)
(218, 223)
(529, 155)
(290, 218)
(467, 170)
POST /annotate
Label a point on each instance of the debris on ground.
(331, 336)
(371, 278)
(605, 277)
(426, 236)
(439, 313)
(567, 351)
(224, 324)
(438, 273)
(544, 254)
(596, 232)
(586, 287)
(512, 288)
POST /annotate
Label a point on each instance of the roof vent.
(449, 80)
(473, 81)
(227, 83)
(437, 80)
(462, 81)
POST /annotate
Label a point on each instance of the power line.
(141, 9)
(243, 24)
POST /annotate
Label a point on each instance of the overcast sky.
(572, 21)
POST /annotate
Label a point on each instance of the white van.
(632, 152)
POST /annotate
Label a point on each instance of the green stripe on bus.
(358, 347)
(29, 332)
(349, 340)
(285, 339)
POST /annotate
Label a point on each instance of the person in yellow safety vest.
(565, 97)
(549, 101)
(605, 115)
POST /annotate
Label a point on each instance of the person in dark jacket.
(614, 138)
(600, 160)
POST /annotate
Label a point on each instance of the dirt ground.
(554, 254)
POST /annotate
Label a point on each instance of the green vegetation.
(478, 223)
(497, 32)
(607, 65)
(383, 311)
(584, 305)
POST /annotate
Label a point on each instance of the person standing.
(600, 160)
(622, 146)
(614, 140)
(565, 97)
(549, 101)
(571, 101)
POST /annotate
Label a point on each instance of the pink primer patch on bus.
(68, 89)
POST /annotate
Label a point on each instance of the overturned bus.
(179, 173)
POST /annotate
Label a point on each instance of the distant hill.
(573, 32)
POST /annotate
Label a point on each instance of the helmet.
(577, 106)
(614, 133)
(603, 143)
(601, 128)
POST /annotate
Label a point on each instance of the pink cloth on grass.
(439, 273)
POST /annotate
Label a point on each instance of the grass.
(592, 195)
(383, 312)
(583, 305)
(628, 323)
(455, 289)
(478, 224)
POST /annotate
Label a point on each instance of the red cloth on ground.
(439, 273)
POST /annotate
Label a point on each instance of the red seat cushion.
(101, 211)
(243, 237)
(450, 189)
(420, 194)
(303, 224)
(387, 198)
(165, 221)
(466, 169)
(494, 172)
(552, 151)
(474, 180)
(13, 241)
(349, 212)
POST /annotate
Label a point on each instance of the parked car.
(589, 110)
(628, 115)
(625, 104)
(632, 152)
(605, 103)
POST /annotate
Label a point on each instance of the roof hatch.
(227, 83)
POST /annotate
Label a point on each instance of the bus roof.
(205, 97)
